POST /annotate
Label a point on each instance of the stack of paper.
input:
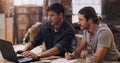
(63, 60)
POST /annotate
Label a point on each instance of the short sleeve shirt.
(102, 37)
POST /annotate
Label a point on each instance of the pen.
(66, 50)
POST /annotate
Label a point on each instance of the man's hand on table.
(69, 55)
(28, 54)
(19, 51)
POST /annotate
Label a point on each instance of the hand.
(83, 54)
(69, 55)
(19, 51)
(30, 54)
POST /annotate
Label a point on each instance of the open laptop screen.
(8, 53)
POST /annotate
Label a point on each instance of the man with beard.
(97, 37)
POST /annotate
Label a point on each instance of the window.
(31, 2)
(78, 4)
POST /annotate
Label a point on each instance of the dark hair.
(89, 12)
(56, 7)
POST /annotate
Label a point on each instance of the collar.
(61, 29)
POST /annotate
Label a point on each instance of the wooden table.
(52, 58)
(78, 61)
(83, 61)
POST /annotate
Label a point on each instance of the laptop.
(8, 53)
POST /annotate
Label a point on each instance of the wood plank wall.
(25, 17)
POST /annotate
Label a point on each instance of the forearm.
(51, 52)
(28, 47)
(80, 47)
(100, 54)
(98, 59)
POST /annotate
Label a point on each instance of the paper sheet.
(79, 35)
(63, 60)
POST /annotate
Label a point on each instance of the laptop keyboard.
(23, 59)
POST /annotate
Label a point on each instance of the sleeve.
(105, 38)
(38, 38)
(66, 41)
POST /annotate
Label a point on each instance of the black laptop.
(8, 53)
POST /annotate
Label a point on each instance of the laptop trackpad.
(23, 59)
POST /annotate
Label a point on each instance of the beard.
(84, 27)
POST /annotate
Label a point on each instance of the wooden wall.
(6, 8)
(2, 26)
(9, 29)
(68, 10)
(25, 17)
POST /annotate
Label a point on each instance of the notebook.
(8, 53)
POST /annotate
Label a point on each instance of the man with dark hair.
(56, 33)
(58, 8)
(97, 38)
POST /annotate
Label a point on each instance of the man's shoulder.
(45, 24)
(104, 31)
(103, 27)
(68, 26)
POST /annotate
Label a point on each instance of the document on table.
(79, 35)
(63, 60)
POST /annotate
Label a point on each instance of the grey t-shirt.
(102, 37)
